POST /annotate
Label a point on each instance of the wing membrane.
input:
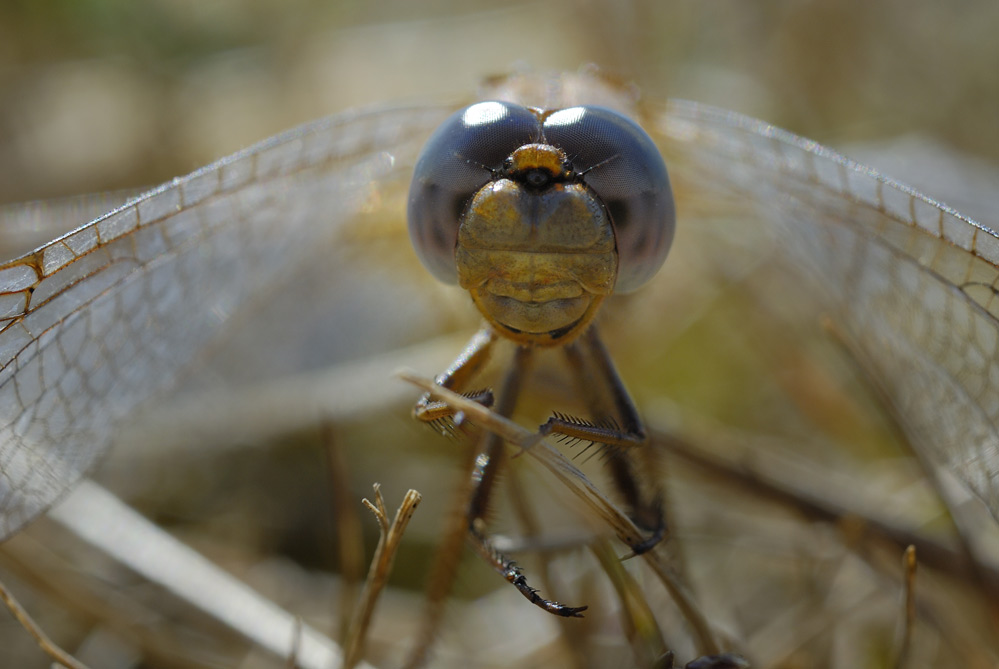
(909, 282)
(100, 320)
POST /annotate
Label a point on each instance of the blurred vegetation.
(106, 94)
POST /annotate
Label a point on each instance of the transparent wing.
(909, 283)
(26, 226)
(100, 320)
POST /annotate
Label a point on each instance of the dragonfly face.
(541, 214)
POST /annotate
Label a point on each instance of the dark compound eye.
(622, 165)
(457, 161)
(616, 159)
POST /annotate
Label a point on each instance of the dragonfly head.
(541, 214)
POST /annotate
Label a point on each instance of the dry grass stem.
(347, 529)
(53, 575)
(57, 654)
(101, 519)
(576, 482)
(448, 555)
(721, 454)
(903, 652)
(381, 567)
(637, 618)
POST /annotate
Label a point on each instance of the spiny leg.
(462, 371)
(491, 451)
(589, 352)
(587, 356)
(512, 573)
(486, 467)
(457, 376)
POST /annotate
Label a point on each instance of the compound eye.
(621, 163)
(461, 156)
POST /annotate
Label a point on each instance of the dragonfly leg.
(487, 465)
(513, 574)
(490, 454)
(456, 377)
(618, 426)
(597, 377)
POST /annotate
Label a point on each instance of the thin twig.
(44, 642)
(347, 523)
(637, 618)
(446, 560)
(722, 455)
(904, 650)
(575, 481)
(381, 566)
(725, 456)
(50, 574)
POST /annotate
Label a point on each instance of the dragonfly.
(164, 295)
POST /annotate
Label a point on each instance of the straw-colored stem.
(904, 650)
(44, 642)
(381, 567)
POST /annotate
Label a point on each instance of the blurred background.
(104, 95)
(98, 95)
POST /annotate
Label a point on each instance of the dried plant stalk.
(57, 654)
(903, 653)
(350, 547)
(381, 567)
